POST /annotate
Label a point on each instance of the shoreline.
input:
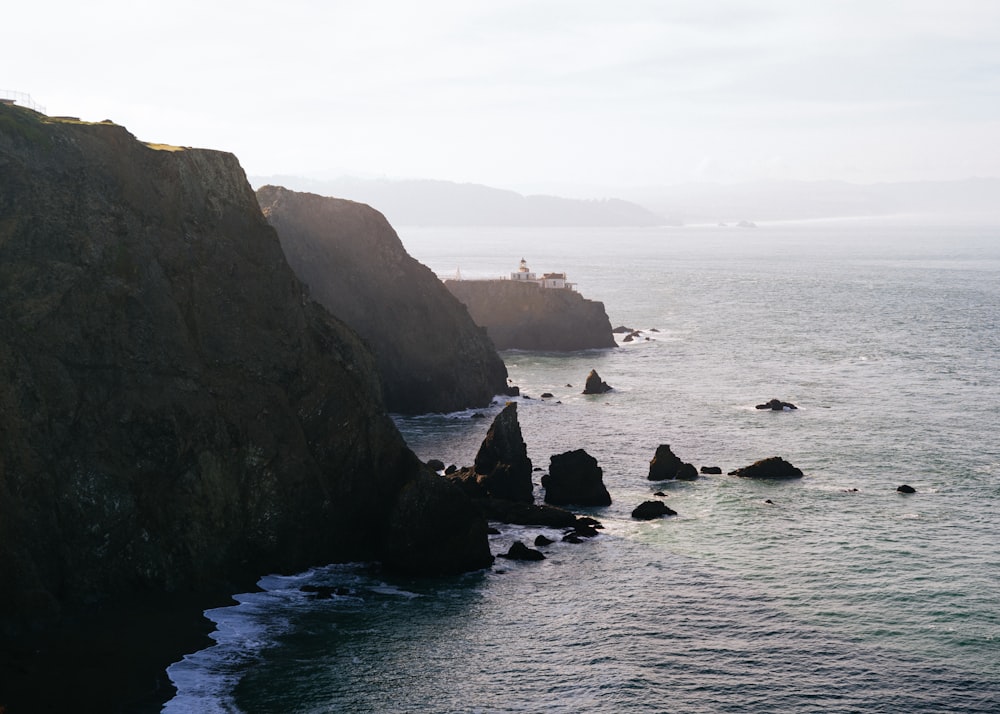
(112, 660)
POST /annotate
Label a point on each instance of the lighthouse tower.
(523, 273)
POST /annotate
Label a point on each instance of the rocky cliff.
(175, 414)
(526, 316)
(431, 355)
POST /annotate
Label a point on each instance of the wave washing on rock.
(432, 357)
(176, 416)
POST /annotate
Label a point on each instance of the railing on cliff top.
(21, 99)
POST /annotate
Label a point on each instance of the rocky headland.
(526, 316)
(430, 354)
(177, 417)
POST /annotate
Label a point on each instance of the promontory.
(532, 312)
(177, 417)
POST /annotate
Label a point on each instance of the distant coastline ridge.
(525, 311)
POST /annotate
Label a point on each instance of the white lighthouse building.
(548, 280)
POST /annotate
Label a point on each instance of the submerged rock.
(774, 467)
(575, 478)
(595, 385)
(708, 470)
(648, 510)
(906, 489)
(519, 551)
(776, 405)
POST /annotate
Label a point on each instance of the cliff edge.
(175, 415)
(431, 355)
(526, 316)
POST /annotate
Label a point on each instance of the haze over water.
(885, 333)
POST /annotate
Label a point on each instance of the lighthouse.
(523, 273)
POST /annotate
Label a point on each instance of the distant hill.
(444, 203)
(791, 200)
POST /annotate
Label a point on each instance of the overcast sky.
(533, 92)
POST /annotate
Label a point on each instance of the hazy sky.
(525, 93)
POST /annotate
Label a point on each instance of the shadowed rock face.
(175, 414)
(575, 478)
(432, 357)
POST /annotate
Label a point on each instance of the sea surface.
(833, 593)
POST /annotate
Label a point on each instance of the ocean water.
(833, 593)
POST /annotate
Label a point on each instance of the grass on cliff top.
(165, 147)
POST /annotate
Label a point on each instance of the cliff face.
(430, 353)
(529, 317)
(174, 413)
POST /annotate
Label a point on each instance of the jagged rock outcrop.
(575, 478)
(502, 464)
(665, 465)
(773, 467)
(596, 385)
(175, 414)
(430, 354)
(522, 315)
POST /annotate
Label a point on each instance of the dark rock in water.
(478, 415)
(176, 416)
(493, 531)
(512, 391)
(622, 330)
(541, 540)
(711, 470)
(774, 467)
(648, 510)
(450, 470)
(547, 395)
(574, 477)
(653, 329)
(769, 501)
(776, 405)
(572, 538)
(595, 385)
(665, 465)
(906, 489)
(660, 493)
(588, 521)
(628, 338)
(435, 465)
(687, 472)
(431, 355)
(519, 551)
(503, 460)
(585, 531)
